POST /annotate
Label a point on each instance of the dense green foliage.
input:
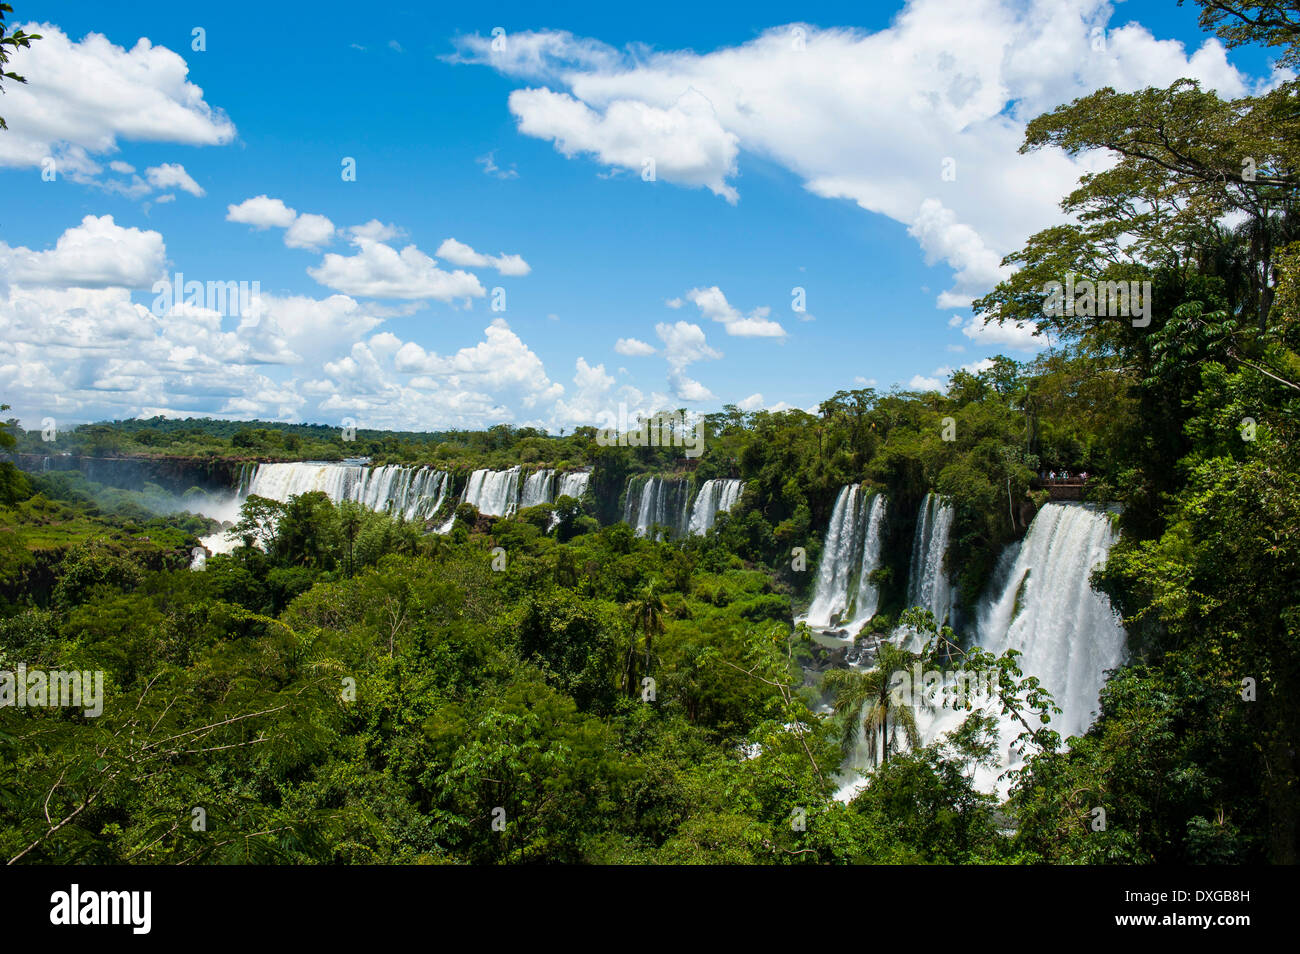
(346, 687)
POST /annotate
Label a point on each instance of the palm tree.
(350, 522)
(865, 699)
(646, 612)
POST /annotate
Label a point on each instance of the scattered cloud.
(172, 175)
(309, 231)
(490, 167)
(98, 253)
(633, 348)
(458, 253)
(682, 143)
(375, 230)
(685, 344)
(92, 93)
(714, 305)
(302, 230)
(380, 271)
(593, 395)
(262, 212)
(1017, 335)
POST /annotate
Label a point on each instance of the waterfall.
(830, 597)
(537, 489)
(1040, 602)
(715, 497)
(844, 596)
(1067, 632)
(928, 585)
(497, 493)
(494, 492)
(868, 595)
(282, 481)
(415, 493)
(573, 484)
(409, 491)
(660, 501)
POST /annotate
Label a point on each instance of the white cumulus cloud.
(98, 253)
(874, 117)
(713, 304)
(309, 231)
(458, 253)
(83, 96)
(172, 175)
(681, 142)
(380, 271)
(262, 212)
(633, 347)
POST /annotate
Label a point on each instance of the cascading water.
(537, 489)
(282, 481)
(1067, 632)
(928, 585)
(415, 493)
(868, 595)
(844, 596)
(830, 596)
(411, 492)
(573, 484)
(494, 492)
(1044, 606)
(497, 493)
(661, 502)
(715, 497)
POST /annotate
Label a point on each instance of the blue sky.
(794, 146)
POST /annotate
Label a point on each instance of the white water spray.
(715, 497)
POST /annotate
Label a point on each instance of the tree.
(307, 534)
(258, 517)
(1269, 23)
(351, 517)
(12, 42)
(646, 613)
(13, 485)
(865, 700)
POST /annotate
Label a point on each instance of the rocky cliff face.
(174, 474)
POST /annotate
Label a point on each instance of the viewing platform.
(1071, 489)
(1065, 490)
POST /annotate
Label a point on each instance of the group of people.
(1062, 476)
